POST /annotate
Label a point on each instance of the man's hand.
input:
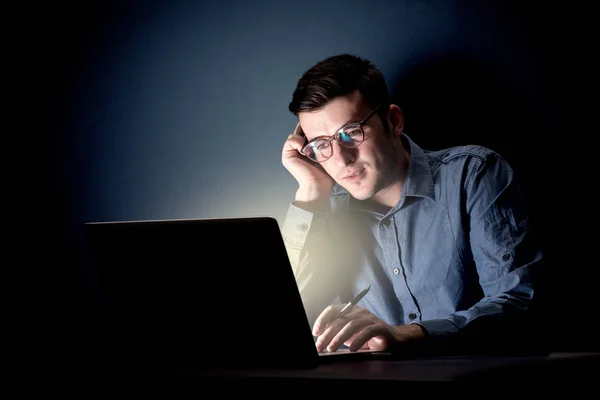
(314, 183)
(360, 329)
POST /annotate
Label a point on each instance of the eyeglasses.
(352, 135)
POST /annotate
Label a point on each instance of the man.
(442, 238)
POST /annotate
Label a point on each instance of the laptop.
(205, 293)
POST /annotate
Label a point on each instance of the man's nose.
(343, 156)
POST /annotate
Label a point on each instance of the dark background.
(154, 109)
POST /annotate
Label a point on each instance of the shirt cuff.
(438, 328)
(298, 222)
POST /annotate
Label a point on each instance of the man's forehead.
(328, 120)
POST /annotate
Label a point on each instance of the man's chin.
(359, 193)
(359, 190)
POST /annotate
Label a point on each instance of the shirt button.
(396, 271)
(303, 227)
(412, 315)
(386, 222)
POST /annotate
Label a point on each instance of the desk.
(467, 376)
(574, 371)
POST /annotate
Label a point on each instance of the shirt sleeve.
(305, 236)
(505, 250)
(295, 229)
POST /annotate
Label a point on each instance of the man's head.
(337, 93)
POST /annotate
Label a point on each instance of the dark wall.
(156, 109)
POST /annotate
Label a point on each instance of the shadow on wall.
(457, 100)
(454, 100)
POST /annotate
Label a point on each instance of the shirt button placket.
(401, 286)
(391, 237)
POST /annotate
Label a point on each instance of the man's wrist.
(312, 199)
(312, 193)
(419, 331)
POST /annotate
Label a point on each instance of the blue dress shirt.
(457, 246)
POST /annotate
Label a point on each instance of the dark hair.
(337, 76)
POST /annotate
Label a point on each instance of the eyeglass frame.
(336, 135)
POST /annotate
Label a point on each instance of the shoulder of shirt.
(459, 153)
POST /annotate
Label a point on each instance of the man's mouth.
(353, 175)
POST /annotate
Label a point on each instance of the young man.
(441, 238)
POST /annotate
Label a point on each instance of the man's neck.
(389, 196)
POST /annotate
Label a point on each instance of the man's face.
(364, 170)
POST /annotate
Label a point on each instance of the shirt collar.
(419, 181)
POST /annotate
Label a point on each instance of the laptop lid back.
(198, 293)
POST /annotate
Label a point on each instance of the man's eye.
(351, 132)
(322, 145)
(350, 135)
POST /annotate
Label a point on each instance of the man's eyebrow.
(353, 120)
(350, 121)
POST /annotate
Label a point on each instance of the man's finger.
(298, 130)
(350, 330)
(368, 333)
(325, 318)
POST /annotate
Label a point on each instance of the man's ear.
(395, 120)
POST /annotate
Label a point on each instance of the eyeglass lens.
(321, 149)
